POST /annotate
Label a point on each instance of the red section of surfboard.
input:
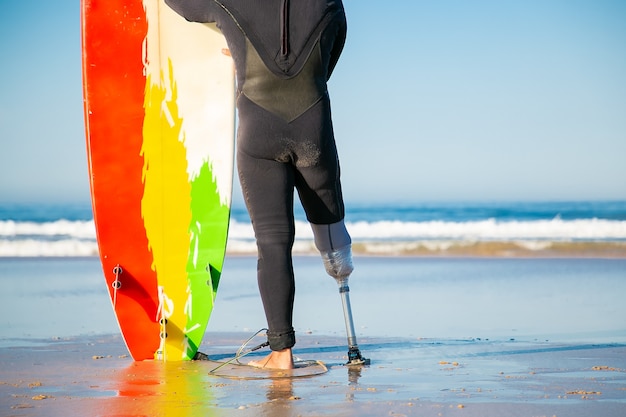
(113, 33)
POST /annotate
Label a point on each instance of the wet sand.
(93, 376)
(506, 249)
(447, 337)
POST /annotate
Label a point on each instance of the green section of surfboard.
(205, 270)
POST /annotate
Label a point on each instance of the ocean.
(54, 287)
(579, 228)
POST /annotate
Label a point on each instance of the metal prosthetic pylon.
(354, 354)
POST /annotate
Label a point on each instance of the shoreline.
(498, 249)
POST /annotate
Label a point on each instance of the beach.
(94, 377)
(446, 336)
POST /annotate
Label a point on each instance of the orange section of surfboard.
(159, 111)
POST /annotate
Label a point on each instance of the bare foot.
(281, 359)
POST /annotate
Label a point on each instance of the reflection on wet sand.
(154, 388)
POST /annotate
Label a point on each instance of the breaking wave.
(78, 238)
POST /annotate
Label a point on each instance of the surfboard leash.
(240, 353)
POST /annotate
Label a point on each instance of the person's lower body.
(271, 167)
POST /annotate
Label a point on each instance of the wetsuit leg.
(319, 187)
(268, 188)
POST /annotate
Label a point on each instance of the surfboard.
(159, 116)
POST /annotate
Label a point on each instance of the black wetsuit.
(284, 52)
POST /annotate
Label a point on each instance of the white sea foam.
(77, 229)
(56, 248)
(77, 238)
(491, 229)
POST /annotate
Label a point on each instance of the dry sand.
(93, 376)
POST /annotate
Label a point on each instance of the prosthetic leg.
(338, 264)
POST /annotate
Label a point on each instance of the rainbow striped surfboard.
(159, 111)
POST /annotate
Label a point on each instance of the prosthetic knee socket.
(338, 263)
(334, 244)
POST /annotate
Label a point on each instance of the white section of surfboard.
(204, 78)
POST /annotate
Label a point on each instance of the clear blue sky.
(432, 100)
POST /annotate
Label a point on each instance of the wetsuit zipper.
(284, 30)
